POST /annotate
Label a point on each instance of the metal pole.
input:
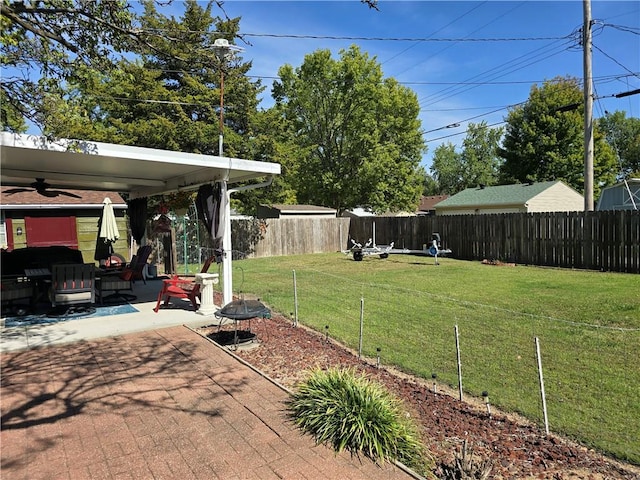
(459, 363)
(588, 108)
(542, 394)
(295, 300)
(361, 326)
(184, 243)
(221, 126)
(227, 286)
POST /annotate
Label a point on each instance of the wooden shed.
(70, 218)
(621, 196)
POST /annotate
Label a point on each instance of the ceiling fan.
(41, 187)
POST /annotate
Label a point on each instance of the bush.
(348, 411)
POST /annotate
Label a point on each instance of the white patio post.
(227, 274)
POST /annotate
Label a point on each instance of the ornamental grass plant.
(346, 410)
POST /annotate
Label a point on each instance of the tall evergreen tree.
(169, 96)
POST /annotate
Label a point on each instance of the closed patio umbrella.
(108, 232)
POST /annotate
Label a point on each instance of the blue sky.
(455, 81)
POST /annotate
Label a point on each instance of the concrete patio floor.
(144, 396)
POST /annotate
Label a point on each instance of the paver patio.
(160, 404)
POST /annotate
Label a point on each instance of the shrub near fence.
(608, 240)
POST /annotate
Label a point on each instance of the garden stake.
(541, 379)
(485, 395)
(361, 326)
(295, 299)
(434, 376)
(378, 360)
(459, 365)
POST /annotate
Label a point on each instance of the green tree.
(430, 185)
(45, 42)
(623, 134)
(446, 169)
(477, 163)
(169, 96)
(359, 134)
(271, 141)
(479, 157)
(544, 139)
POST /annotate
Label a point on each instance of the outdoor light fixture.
(224, 51)
(19, 231)
(434, 376)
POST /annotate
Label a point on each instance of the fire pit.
(238, 311)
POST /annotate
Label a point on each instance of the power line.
(437, 31)
(613, 59)
(451, 45)
(496, 72)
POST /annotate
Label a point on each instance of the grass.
(588, 325)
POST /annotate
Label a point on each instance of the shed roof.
(83, 199)
(292, 209)
(429, 202)
(517, 194)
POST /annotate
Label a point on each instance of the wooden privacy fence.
(608, 240)
(289, 236)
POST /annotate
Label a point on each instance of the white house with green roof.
(552, 196)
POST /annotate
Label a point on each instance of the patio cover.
(141, 172)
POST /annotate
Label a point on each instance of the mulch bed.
(518, 449)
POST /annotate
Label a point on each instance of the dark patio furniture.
(241, 310)
(72, 289)
(16, 292)
(116, 283)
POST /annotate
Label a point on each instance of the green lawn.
(588, 324)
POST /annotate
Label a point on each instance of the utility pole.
(588, 108)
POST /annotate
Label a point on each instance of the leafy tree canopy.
(623, 134)
(358, 134)
(477, 163)
(544, 139)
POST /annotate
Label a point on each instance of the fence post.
(295, 300)
(459, 363)
(361, 326)
(542, 394)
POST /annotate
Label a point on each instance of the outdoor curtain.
(137, 217)
(211, 208)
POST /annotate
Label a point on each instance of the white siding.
(557, 198)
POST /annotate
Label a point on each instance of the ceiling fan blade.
(12, 191)
(67, 194)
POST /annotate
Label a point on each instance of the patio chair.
(182, 287)
(135, 269)
(114, 282)
(72, 287)
(15, 289)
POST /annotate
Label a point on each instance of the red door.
(48, 231)
(8, 226)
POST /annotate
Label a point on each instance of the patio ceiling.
(141, 172)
